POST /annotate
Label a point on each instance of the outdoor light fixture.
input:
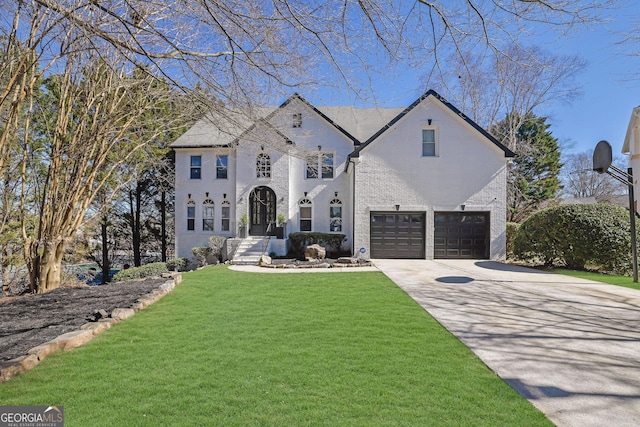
(319, 147)
(335, 194)
(429, 121)
(397, 207)
(189, 196)
(224, 195)
(305, 194)
(462, 207)
(206, 194)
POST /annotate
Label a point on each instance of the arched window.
(335, 215)
(226, 213)
(191, 215)
(305, 214)
(263, 166)
(207, 215)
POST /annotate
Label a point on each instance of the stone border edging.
(73, 339)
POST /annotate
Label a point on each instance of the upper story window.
(207, 215)
(191, 215)
(196, 167)
(222, 166)
(311, 168)
(305, 214)
(263, 166)
(320, 165)
(296, 120)
(335, 215)
(429, 143)
(326, 162)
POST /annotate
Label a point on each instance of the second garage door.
(397, 235)
(461, 235)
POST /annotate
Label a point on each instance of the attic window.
(297, 120)
(429, 143)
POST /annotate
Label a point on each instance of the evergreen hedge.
(577, 236)
(147, 270)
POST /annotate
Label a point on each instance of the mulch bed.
(31, 320)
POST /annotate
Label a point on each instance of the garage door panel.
(461, 235)
(397, 235)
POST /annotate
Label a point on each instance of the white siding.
(468, 170)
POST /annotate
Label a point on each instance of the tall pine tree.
(534, 174)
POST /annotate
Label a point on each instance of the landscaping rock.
(74, 339)
(314, 252)
(43, 350)
(264, 260)
(347, 260)
(96, 328)
(122, 313)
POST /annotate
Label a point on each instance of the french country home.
(422, 182)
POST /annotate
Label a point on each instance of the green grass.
(228, 348)
(625, 281)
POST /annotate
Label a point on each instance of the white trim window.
(195, 167)
(263, 166)
(191, 215)
(208, 214)
(306, 215)
(335, 215)
(226, 215)
(222, 166)
(429, 143)
(326, 165)
(320, 165)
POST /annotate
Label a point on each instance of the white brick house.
(417, 182)
(631, 146)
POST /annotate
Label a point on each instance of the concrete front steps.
(250, 250)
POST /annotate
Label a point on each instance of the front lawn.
(625, 281)
(240, 349)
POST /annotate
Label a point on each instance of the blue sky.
(610, 84)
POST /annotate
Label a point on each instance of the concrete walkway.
(570, 346)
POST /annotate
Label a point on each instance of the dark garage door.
(397, 235)
(461, 235)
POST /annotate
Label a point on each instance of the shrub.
(576, 236)
(512, 229)
(201, 253)
(147, 270)
(300, 240)
(216, 243)
(178, 264)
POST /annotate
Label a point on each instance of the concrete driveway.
(570, 346)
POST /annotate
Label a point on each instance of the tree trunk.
(106, 267)
(6, 278)
(163, 225)
(134, 210)
(50, 267)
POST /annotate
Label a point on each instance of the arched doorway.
(262, 210)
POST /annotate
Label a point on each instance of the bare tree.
(580, 181)
(83, 144)
(241, 52)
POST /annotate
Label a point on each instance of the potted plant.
(280, 229)
(242, 229)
